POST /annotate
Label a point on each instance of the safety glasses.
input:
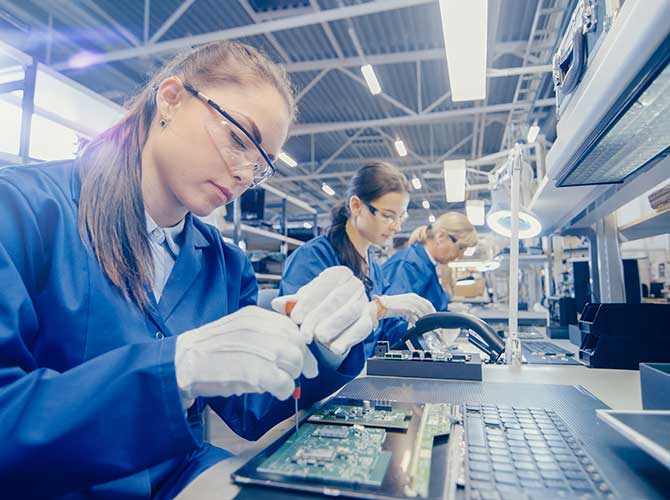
(387, 216)
(235, 143)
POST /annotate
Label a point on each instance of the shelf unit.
(654, 224)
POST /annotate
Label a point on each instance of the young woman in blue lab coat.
(413, 269)
(375, 208)
(122, 315)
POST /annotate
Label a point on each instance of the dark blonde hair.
(454, 223)
(111, 216)
(369, 183)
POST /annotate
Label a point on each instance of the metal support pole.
(610, 265)
(283, 222)
(513, 346)
(548, 267)
(540, 157)
(315, 227)
(27, 109)
(237, 221)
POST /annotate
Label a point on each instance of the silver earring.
(163, 123)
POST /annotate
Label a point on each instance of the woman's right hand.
(333, 308)
(252, 350)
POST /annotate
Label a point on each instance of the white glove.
(406, 305)
(251, 350)
(333, 308)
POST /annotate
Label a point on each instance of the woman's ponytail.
(346, 252)
(420, 234)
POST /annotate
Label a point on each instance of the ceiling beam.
(310, 19)
(174, 17)
(417, 119)
(409, 56)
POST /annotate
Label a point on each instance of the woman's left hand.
(405, 305)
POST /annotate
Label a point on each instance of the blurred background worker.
(374, 210)
(414, 269)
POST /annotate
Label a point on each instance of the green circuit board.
(349, 455)
(436, 420)
(368, 414)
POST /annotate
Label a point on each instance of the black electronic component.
(425, 364)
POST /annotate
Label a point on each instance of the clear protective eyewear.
(387, 216)
(236, 145)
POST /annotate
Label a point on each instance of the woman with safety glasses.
(413, 269)
(122, 316)
(375, 208)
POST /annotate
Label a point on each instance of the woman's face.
(447, 248)
(201, 160)
(380, 219)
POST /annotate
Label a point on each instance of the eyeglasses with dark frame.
(262, 174)
(388, 218)
(454, 240)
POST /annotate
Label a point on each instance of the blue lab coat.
(411, 270)
(89, 404)
(305, 263)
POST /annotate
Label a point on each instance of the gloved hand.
(333, 308)
(251, 350)
(405, 305)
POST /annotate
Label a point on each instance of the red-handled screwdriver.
(296, 392)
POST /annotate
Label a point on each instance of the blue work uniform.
(411, 270)
(89, 403)
(307, 262)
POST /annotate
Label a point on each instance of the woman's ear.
(355, 205)
(169, 96)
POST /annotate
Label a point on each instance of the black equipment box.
(424, 364)
(624, 335)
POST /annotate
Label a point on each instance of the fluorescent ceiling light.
(431, 218)
(307, 225)
(464, 27)
(500, 221)
(532, 133)
(469, 252)
(416, 182)
(327, 189)
(454, 179)
(371, 79)
(287, 159)
(476, 212)
(400, 148)
(425, 204)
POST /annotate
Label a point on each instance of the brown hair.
(454, 223)
(369, 183)
(111, 208)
